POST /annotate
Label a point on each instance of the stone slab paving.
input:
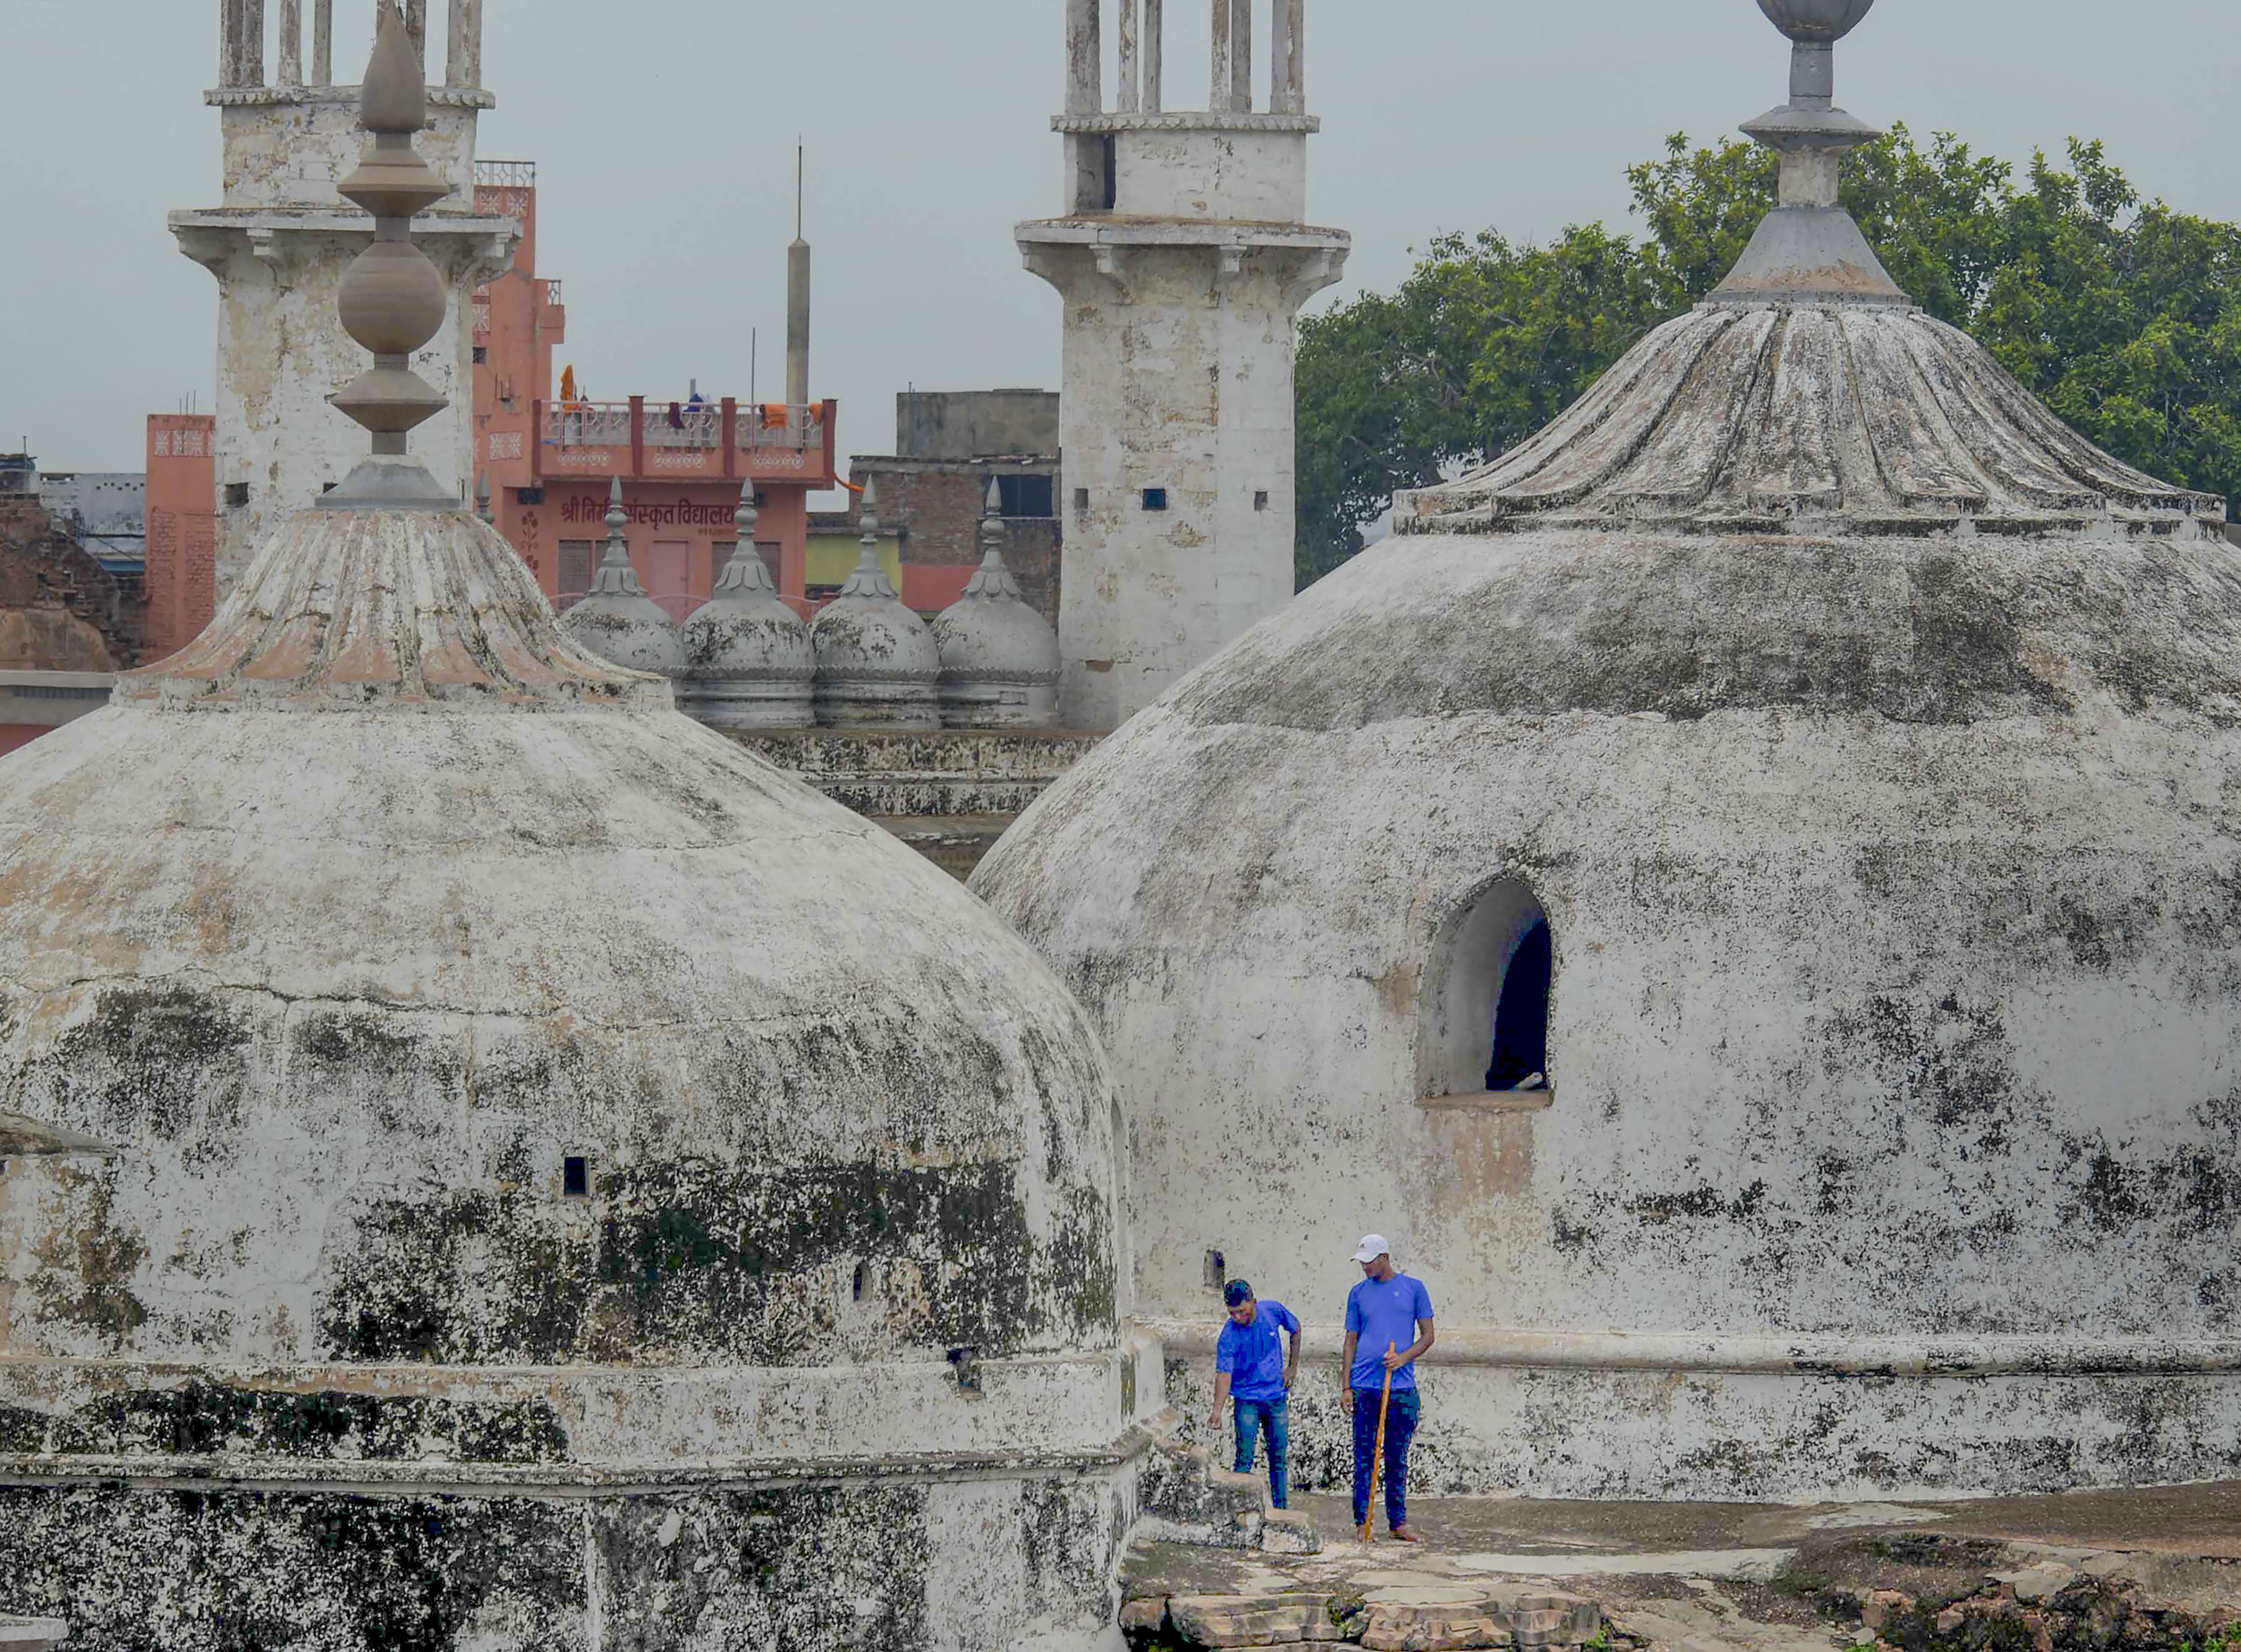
(1687, 1578)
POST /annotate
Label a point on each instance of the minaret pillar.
(279, 245)
(463, 60)
(291, 44)
(1085, 57)
(1183, 276)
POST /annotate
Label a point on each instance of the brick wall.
(181, 583)
(42, 573)
(938, 507)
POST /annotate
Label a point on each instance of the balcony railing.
(696, 425)
(775, 424)
(551, 292)
(588, 424)
(519, 175)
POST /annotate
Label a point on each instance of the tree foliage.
(2124, 315)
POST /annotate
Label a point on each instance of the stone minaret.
(1183, 258)
(278, 246)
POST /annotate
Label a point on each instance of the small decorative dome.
(616, 620)
(748, 663)
(999, 661)
(877, 664)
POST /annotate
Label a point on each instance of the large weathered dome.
(1865, 749)
(572, 1184)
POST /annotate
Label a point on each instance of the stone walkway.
(1715, 1577)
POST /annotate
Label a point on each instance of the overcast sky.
(664, 133)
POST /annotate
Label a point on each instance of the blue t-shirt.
(1253, 1354)
(1379, 1314)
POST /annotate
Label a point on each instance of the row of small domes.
(745, 659)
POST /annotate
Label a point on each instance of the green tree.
(2124, 316)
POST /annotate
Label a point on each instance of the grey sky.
(664, 133)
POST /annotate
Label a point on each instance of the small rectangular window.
(1024, 496)
(1155, 498)
(1260, 500)
(576, 1177)
(482, 356)
(236, 495)
(1081, 498)
(529, 496)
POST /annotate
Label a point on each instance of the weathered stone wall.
(974, 424)
(963, 1566)
(1896, 892)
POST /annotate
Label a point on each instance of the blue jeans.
(1252, 1415)
(1400, 1429)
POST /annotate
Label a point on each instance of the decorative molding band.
(1186, 120)
(1808, 1356)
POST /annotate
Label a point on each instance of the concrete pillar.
(1085, 58)
(323, 43)
(1288, 67)
(1131, 97)
(463, 58)
(229, 36)
(1240, 57)
(1154, 46)
(1224, 69)
(416, 25)
(252, 62)
(291, 44)
(797, 323)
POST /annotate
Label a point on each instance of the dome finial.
(870, 578)
(747, 516)
(614, 577)
(1808, 250)
(393, 300)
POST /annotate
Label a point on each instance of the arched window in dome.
(1484, 1037)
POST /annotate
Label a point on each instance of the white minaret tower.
(281, 242)
(1183, 258)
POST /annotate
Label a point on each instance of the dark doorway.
(1520, 1016)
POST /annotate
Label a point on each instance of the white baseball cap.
(1373, 1245)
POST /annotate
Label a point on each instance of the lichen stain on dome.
(1615, 624)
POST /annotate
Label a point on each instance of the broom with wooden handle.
(1377, 1455)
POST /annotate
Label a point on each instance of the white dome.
(540, 1077)
(1862, 744)
(876, 660)
(748, 662)
(1000, 659)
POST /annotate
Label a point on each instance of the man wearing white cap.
(1389, 1316)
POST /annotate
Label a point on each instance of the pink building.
(549, 463)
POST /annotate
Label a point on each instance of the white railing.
(682, 424)
(588, 424)
(774, 425)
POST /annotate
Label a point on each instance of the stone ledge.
(32, 1634)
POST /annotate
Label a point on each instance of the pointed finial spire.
(483, 499)
(744, 571)
(614, 576)
(869, 578)
(992, 577)
(391, 300)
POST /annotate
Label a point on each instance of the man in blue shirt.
(1388, 1318)
(1252, 1370)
